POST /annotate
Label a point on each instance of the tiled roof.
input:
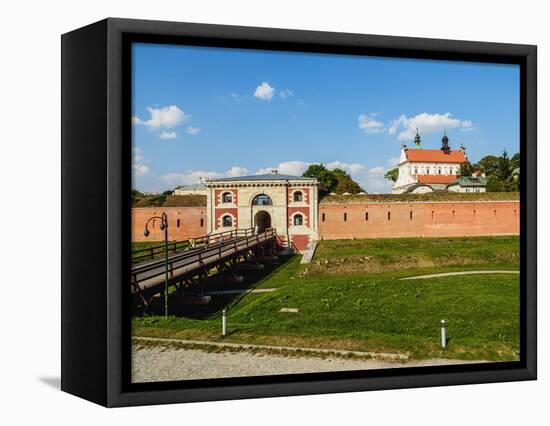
(430, 179)
(472, 181)
(435, 156)
(270, 176)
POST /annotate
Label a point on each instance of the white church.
(431, 170)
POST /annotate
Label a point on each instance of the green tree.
(392, 174)
(336, 180)
(327, 180)
(504, 167)
(488, 165)
(466, 169)
(514, 161)
(345, 183)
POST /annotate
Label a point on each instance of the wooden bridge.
(201, 257)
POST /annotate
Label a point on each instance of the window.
(389, 215)
(467, 189)
(366, 216)
(298, 196)
(345, 217)
(427, 170)
(227, 197)
(227, 221)
(202, 222)
(262, 200)
(178, 223)
(323, 217)
(415, 170)
(438, 171)
(411, 215)
(298, 220)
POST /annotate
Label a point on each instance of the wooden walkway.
(148, 278)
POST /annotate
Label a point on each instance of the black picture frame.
(96, 154)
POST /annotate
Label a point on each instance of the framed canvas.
(256, 212)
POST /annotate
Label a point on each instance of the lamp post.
(164, 227)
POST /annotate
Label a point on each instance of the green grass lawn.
(358, 308)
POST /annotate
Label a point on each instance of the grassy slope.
(374, 311)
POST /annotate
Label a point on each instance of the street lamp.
(164, 227)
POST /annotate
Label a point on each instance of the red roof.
(436, 178)
(435, 156)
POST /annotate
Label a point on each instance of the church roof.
(269, 176)
(431, 179)
(435, 156)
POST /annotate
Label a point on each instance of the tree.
(336, 180)
(392, 174)
(504, 171)
(327, 180)
(345, 183)
(488, 165)
(514, 161)
(466, 169)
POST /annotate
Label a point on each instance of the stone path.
(452, 274)
(164, 363)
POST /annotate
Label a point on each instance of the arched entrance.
(262, 220)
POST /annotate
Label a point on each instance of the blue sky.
(213, 112)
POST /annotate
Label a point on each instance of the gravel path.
(452, 274)
(151, 364)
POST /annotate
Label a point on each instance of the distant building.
(196, 189)
(287, 203)
(468, 184)
(428, 170)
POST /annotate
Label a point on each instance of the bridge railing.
(236, 241)
(179, 246)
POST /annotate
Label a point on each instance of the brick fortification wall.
(418, 219)
(183, 223)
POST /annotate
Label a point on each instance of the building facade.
(287, 203)
(428, 170)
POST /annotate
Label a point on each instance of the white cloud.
(237, 171)
(264, 91)
(168, 135)
(287, 93)
(193, 130)
(425, 123)
(165, 117)
(376, 171)
(369, 124)
(140, 165)
(351, 168)
(393, 162)
(191, 177)
(294, 168)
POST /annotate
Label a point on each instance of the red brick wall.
(303, 210)
(220, 212)
(189, 223)
(218, 196)
(428, 220)
(300, 241)
(305, 194)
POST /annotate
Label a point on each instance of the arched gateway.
(266, 201)
(262, 220)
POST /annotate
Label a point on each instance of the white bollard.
(224, 322)
(443, 334)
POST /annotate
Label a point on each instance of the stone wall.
(183, 223)
(418, 219)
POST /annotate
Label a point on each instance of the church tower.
(445, 143)
(417, 140)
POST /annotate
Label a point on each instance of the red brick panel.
(304, 191)
(418, 220)
(303, 210)
(218, 196)
(191, 221)
(300, 241)
(220, 212)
